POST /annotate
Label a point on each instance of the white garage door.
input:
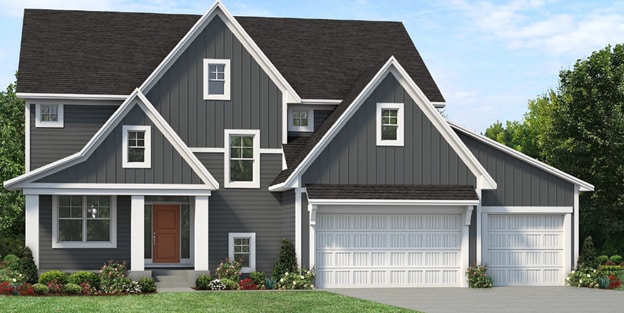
(389, 250)
(525, 249)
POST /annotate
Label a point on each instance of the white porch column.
(137, 233)
(312, 234)
(201, 233)
(567, 256)
(298, 228)
(576, 229)
(31, 213)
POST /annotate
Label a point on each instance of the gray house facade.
(216, 136)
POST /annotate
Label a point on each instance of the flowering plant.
(587, 277)
(26, 290)
(229, 269)
(247, 284)
(55, 286)
(6, 288)
(478, 278)
(113, 278)
(614, 282)
(304, 279)
(216, 284)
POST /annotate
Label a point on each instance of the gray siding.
(246, 210)
(105, 164)
(81, 259)
(81, 122)
(288, 215)
(305, 232)
(354, 158)
(255, 100)
(518, 182)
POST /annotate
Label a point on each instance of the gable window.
(216, 79)
(84, 222)
(242, 158)
(136, 146)
(301, 120)
(242, 248)
(389, 124)
(49, 115)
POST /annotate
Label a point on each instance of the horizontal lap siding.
(81, 259)
(353, 156)
(288, 215)
(246, 210)
(255, 101)
(81, 122)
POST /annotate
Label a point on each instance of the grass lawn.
(224, 301)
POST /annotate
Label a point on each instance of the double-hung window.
(84, 222)
(242, 248)
(49, 115)
(389, 124)
(242, 158)
(216, 79)
(136, 146)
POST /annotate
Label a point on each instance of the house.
(180, 140)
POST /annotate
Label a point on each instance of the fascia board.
(68, 96)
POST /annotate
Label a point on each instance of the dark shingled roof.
(113, 52)
(392, 192)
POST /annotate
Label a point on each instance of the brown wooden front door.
(166, 238)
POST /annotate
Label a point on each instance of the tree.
(11, 165)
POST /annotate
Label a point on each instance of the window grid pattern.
(49, 113)
(84, 218)
(216, 79)
(300, 118)
(136, 146)
(241, 158)
(389, 124)
(242, 251)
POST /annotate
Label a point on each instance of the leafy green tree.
(11, 165)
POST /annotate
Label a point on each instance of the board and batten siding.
(319, 117)
(81, 122)
(81, 259)
(104, 166)
(518, 182)
(255, 101)
(237, 210)
(353, 157)
(288, 215)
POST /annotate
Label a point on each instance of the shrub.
(26, 290)
(602, 259)
(608, 270)
(247, 284)
(49, 276)
(54, 286)
(130, 286)
(286, 260)
(587, 277)
(603, 282)
(148, 284)
(588, 257)
(258, 278)
(11, 261)
(216, 284)
(614, 282)
(6, 288)
(28, 267)
(478, 278)
(12, 276)
(202, 282)
(72, 289)
(87, 289)
(81, 277)
(269, 283)
(229, 284)
(40, 289)
(112, 277)
(617, 259)
(296, 280)
(229, 269)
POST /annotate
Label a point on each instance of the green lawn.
(224, 301)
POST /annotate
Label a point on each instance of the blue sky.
(488, 57)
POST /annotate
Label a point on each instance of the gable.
(353, 157)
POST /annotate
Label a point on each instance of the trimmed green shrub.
(258, 278)
(617, 259)
(609, 270)
(41, 289)
(28, 267)
(602, 259)
(84, 276)
(49, 276)
(229, 284)
(148, 285)
(72, 289)
(11, 261)
(588, 257)
(202, 282)
(286, 260)
(478, 278)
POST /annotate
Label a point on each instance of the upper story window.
(242, 158)
(301, 120)
(137, 146)
(216, 79)
(84, 222)
(390, 124)
(49, 115)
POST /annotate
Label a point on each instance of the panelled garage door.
(388, 250)
(525, 249)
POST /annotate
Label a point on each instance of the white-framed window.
(137, 146)
(216, 79)
(49, 115)
(242, 158)
(84, 221)
(390, 124)
(301, 120)
(242, 248)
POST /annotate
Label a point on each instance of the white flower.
(14, 280)
(588, 276)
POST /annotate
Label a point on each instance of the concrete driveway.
(495, 300)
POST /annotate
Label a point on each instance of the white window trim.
(147, 163)
(308, 128)
(255, 183)
(400, 120)
(226, 86)
(85, 244)
(252, 249)
(49, 124)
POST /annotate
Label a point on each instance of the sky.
(489, 58)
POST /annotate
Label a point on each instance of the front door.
(166, 238)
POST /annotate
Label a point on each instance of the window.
(389, 123)
(84, 222)
(242, 158)
(136, 146)
(216, 79)
(242, 248)
(301, 120)
(49, 115)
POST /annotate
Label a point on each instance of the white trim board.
(527, 209)
(69, 96)
(383, 202)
